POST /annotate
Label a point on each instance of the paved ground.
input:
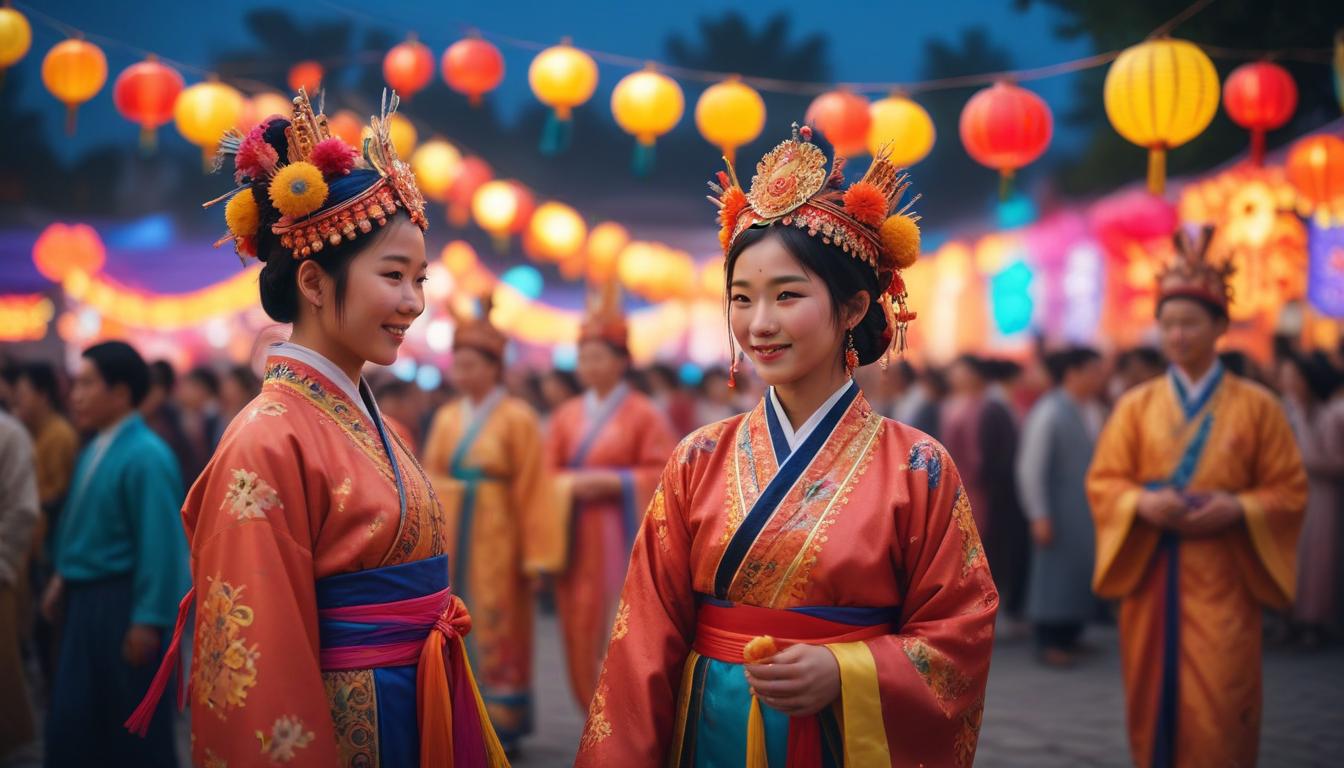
(1034, 717)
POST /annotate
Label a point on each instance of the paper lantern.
(145, 93)
(557, 231)
(306, 75)
(264, 105)
(1316, 171)
(502, 208)
(562, 77)
(16, 37)
(408, 67)
(1005, 127)
(902, 128)
(470, 176)
(729, 115)
(473, 67)
(842, 117)
(1259, 97)
(646, 104)
(605, 244)
(204, 112)
(436, 163)
(1160, 94)
(64, 249)
(347, 126)
(74, 71)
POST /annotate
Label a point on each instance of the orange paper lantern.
(605, 244)
(473, 67)
(145, 93)
(408, 67)
(1259, 97)
(306, 75)
(64, 249)
(729, 115)
(843, 118)
(1005, 127)
(1316, 171)
(556, 231)
(347, 126)
(74, 71)
(16, 37)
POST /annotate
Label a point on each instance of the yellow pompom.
(241, 214)
(900, 240)
(298, 189)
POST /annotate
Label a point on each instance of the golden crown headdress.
(297, 185)
(793, 187)
(1191, 273)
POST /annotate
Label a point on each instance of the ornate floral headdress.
(603, 319)
(476, 332)
(297, 185)
(1192, 274)
(792, 187)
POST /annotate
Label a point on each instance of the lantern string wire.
(269, 65)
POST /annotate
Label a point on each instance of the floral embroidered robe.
(300, 488)
(594, 538)
(878, 519)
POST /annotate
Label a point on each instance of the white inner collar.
(796, 438)
(318, 362)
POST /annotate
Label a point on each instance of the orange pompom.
(900, 240)
(734, 202)
(759, 649)
(866, 203)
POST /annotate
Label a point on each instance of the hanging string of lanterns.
(1260, 97)
(473, 67)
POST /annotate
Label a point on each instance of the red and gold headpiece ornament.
(297, 185)
(603, 319)
(792, 187)
(1192, 274)
(476, 332)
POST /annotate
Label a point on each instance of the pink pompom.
(333, 157)
(255, 157)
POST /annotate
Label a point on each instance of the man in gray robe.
(1052, 461)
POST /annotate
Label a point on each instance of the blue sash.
(471, 478)
(792, 468)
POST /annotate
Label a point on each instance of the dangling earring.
(851, 354)
(732, 372)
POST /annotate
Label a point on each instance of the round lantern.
(501, 208)
(1259, 97)
(262, 106)
(605, 244)
(646, 104)
(1316, 171)
(64, 249)
(556, 231)
(470, 176)
(204, 112)
(901, 128)
(73, 71)
(436, 163)
(562, 77)
(729, 115)
(408, 67)
(16, 36)
(1160, 94)
(306, 75)
(473, 67)
(842, 117)
(145, 93)
(1005, 127)
(347, 126)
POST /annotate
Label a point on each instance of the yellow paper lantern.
(563, 77)
(204, 112)
(729, 115)
(16, 36)
(1160, 94)
(501, 207)
(262, 106)
(557, 231)
(639, 265)
(605, 244)
(436, 163)
(646, 105)
(903, 128)
(404, 135)
(74, 71)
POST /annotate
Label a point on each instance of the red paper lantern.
(1316, 170)
(1005, 127)
(473, 67)
(306, 75)
(63, 249)
(145, 94)
(843, 118)
(473, 173)
(1259, 97)
(408, 67)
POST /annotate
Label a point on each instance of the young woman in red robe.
(808, 587)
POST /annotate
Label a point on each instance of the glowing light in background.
(1010, 298)
(428, 378)
(1325, 275)
(525, 280)
(439, 335)
(404, 369)
(565, 357)
(1083, 278)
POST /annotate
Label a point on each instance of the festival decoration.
(729, 115)
(842, 118)
(408, 67)
(145, 93)
(473, 67)
(204, 112)
(74, 71)
(1260, 97)
(562, 77)
(1006, 127)
(902, 127)
(646, 104)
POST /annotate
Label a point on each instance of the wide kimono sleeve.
(653, 443)
(438, 458)
(258, 696)
(1274, 503)
(631, 717)
(1125, 542)
(931, 673)
(152, 494)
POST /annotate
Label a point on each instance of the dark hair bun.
(871, 335)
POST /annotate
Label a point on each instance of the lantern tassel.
(148, 140)
(1258, 148)
(1157, 170)
(1005, 183)
(643, 160)
(70, 110)
(556, 135)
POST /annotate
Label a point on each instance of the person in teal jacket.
(121, 570)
